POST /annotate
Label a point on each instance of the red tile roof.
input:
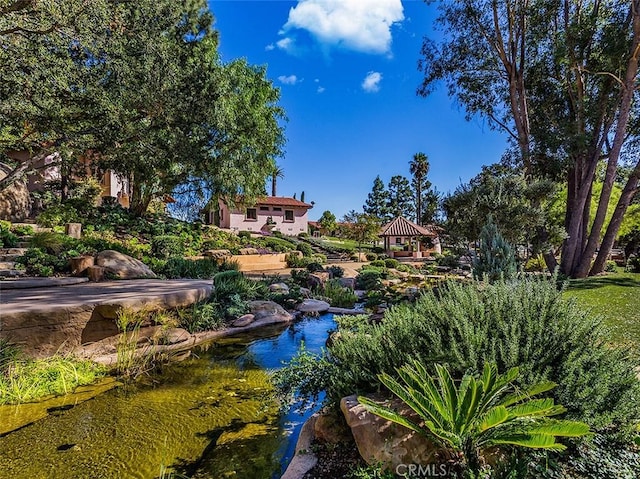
(403, 227)
(275, 201)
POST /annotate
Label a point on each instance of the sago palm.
(478, 413)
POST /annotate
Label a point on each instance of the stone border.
(303, 459)
(30, 283)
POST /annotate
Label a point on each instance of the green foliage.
(278, 245)
(495, 257)
(58, 215)
(52, 243)
(369, 279)
(22, 230)
(525, 324)
(335, 271)
(244, 235)
(200, 317)
(7, 238)
(401, 199)
(371, 472)
(350, 322)
(314, 267)
(305, 249)
(338, 295)
(371, 256)
(448, 259)
(377, 201)
(39, 263)
(176, 268)
(25, 380)
(231, 292)
(611, 267)
(378, 263)
(477, 414)
(391, 263)
(300, 277)
(327, 222)
(167, 246)
(535, 264)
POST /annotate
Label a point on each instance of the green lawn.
(616, 297)
(343, 243)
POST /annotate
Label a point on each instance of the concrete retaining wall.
(257, 262)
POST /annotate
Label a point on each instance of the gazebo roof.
(401, 226)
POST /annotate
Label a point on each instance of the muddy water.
(210, 416)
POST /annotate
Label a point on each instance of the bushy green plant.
(305, 249)
(611, 267)
(350, 322)
(375, 471)
(200, 317)
(300, 277)
(478, 414)
(176, 268)
(296, 261)
(319, 258)
(369, 279)
(303, 235)
(525, 323)
(167, 246)
(52, 243)
(335, 271)
(39, 263)
(314, 267)
(58, 214)
(7, 238)
(496, 258)
(244, 235)
(22, 230)
(371, 256)
(448, 259)
(633, 265)
(338, 295)
(276, 244)
(232, 290)
(391, 263)
(378, 263)
(535, 264)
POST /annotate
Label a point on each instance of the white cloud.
(270, 47)
(321, 89)
(288, 80)
(371, 83)
(360, 25)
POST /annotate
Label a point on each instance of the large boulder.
(318, 279)
(282, 288)
(313, 306)
(383, 442)
(15, 203)
(122, 266)
(268, 312)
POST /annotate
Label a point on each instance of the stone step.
(16, 251)
(22, 244)
(11, 273)
(9, 257)
(6, 265)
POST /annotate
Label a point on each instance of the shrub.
(448, 260)
(296, 261)
(611, 267)
(39, 263)
(319, 258)
(57, 215)
(231, 291)
(277, 245)
(52, 243)
(305, 249)
(176, 268)
(23, 230)
(244, 235)
(369, 280)
(371, 256)
(300, 277)
(378, 263)
(303, 235)
(167, 246)
(633, 265)
(314, 267)
(200, 317)
(495, 257)
(7, 238)
(335, 271)
(338, 295)
(391, 263)
(535, 264)
(525, 323)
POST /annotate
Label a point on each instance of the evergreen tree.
(400, 202)
(419, 168)
(495, 259)
(377, 200)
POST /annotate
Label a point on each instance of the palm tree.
(276, 172)
(419, 167)
(478, 413)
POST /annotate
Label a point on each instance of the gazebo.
(401, 232)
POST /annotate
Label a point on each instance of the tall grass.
(23, 380)
(132, 361)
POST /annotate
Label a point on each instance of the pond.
(209, 416)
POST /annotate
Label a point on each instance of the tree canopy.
(140, 88)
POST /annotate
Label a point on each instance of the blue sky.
(347, 71)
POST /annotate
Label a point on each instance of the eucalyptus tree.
(559, 78)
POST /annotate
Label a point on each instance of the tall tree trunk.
(419, 202)
(628, 193)
(274, 182)
(626, 100)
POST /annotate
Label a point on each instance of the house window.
(252, 214)
(288, 215)
(398, 240)
(277, 208)
(264, 208)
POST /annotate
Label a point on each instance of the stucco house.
(269, 213)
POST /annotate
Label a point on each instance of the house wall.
(235, 219)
